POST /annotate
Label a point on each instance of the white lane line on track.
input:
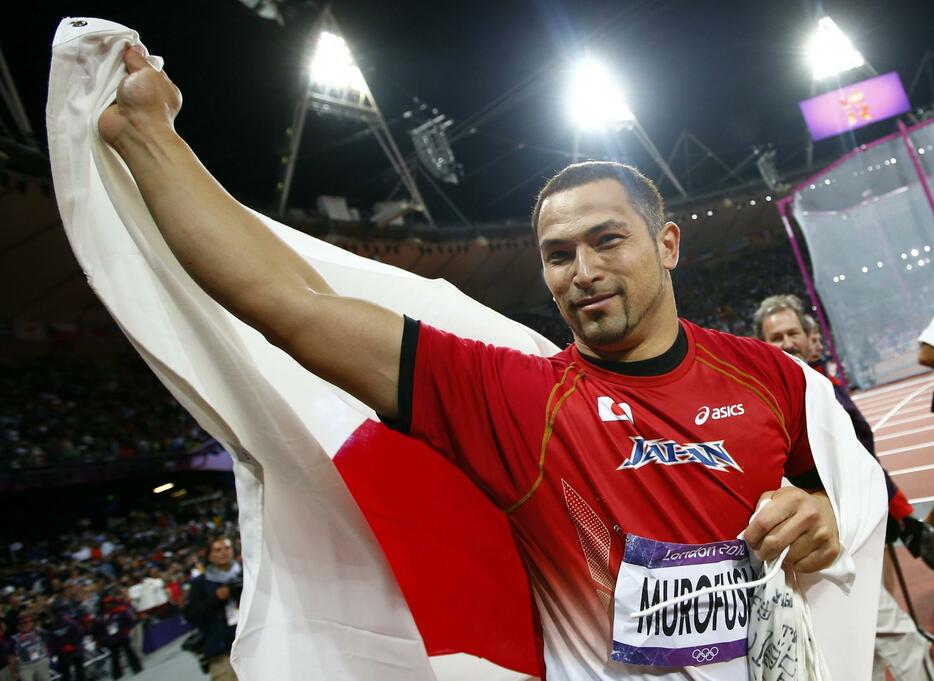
(904, 432)
(921, 398)
(894, 410)
(913, 469)
(911, 419)
(889, 400)
(924, 405)
(902, 450)
(895, 398)
(920, 500)
(875, 392)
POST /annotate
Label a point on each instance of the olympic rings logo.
(705, 654)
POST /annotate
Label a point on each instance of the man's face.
(607, 273)
(783, 329)
(221, 554)
(815, 346)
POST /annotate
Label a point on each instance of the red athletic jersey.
(578, 456)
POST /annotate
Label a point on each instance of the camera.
(194, 644)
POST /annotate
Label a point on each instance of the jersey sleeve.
(790, 386)
(480, 406)
(799, 466)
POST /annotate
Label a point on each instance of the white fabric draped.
(319, 600)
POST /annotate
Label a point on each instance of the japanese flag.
(366, 555)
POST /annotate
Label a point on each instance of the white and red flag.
(321, 600)
(366, 555)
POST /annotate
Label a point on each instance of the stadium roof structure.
(731, 73)
(716, 86)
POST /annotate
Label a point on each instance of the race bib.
(112, 629)
(697, 631)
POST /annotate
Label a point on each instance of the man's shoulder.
(438, 340)
(744, 348)
(748, 355)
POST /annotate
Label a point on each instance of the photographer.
(213, 606)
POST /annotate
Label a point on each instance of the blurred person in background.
(66, 643)
(926, 358)
(154, 594)
(13, 608)
(30, 659)
(6, 651)
(780, 321)
(112, 629)
(213, 606)
(815, 340)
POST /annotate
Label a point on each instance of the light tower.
(334, 86)
(830, 53)
(598, 103)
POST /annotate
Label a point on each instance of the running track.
(901, 418)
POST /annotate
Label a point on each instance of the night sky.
(730, 72)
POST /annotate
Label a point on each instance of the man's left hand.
(802, 520)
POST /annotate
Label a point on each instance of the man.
(621, 454)
(112, 629)
(781, 321)
(926, 358)
(30, 659)
(213, 606)
(66, 643)
(815, 340)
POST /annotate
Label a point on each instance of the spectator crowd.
(66, 601)
(79, 412)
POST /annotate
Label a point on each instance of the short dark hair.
(213, 540)
(643, 193)
(773, 304)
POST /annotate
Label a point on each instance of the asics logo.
(705, 654)
(718, 413)
(611, 410)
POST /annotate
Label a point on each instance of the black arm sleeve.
(403, 420)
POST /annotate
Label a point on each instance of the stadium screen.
(854, 106)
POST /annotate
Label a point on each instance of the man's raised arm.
(237, 260)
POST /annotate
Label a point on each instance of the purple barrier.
(162, 633)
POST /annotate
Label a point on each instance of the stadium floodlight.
(332, 65)
(336, 87)
(596, 100)
(830, 52)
